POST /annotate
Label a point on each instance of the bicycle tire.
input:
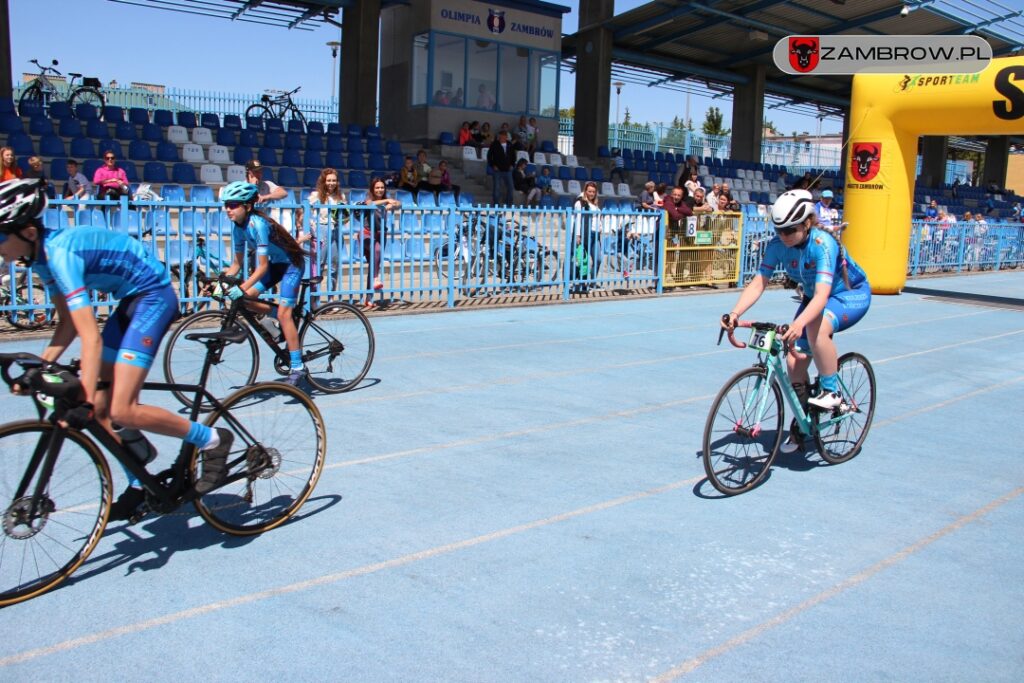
(259, 110)
(52, 546)
(32, 93)
(279, 453)
(736, 473)
(441, 263)
(86, 95)
(844, 440)
(184, 358)
(31, 319)
(296, 113)
(337, 347)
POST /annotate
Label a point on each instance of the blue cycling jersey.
(74, 261)
(815, 261)
(256, 235)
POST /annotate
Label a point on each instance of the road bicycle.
(337, 344)
(277, 104)
(744, 427)
(24, 299)
(44, 92)
(55, 482)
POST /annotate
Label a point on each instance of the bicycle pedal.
(139, 513)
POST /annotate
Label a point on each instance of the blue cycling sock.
(829, 382)
(198, 435)
(296, 358)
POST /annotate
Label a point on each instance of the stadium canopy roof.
(708, 42)
(302, 15)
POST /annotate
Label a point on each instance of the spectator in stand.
(619, 168)
(544, 180)
(824, 209)
(700, 204)
(8, 168)
(111, 181)
(521, 136)
(782, 182)
(1016, 211)
(534, 135)
(486, 137)
(423, 170)
(484, 98)
(956, 186)
(375, 233)
(932, 212)
(500, 158)
(677, 209)
(35, 170)
(77, 185)
(445, 179)
(726, 202)
(526, 183)
(267, 191)
(990, 205)
(660, 194)
(587, 234)
(465, 135)
(408, 175)
(692, 183)
(325, 223)
(441, 98)
(713, 197)
(458, 99)
(647, 201)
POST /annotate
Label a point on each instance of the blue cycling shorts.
(289, 275)
(133, 333)
(843, 310)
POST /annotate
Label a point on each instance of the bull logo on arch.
(803, 53)
(496, 20)
(865, 160)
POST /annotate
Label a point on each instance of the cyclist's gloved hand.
(80, 415)
(235, 293)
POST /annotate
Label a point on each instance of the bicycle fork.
(20, 519)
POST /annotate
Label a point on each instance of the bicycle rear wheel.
(88, 96)
(233, 367)
(29, 292)
(337, 347)
(278, 454)
(739, 448)
(260, 111)
(842, 440)
(39, 551)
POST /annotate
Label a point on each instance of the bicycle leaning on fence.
(745, 425)
(43, 91)
(277, 104)
(24, 299)
(337, 345)
(55, 483)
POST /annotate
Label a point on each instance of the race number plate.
(761, 340)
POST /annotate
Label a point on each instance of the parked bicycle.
(745, 426)
(44, 92)
(337, 345)
(55, 483)
(24, 299)
(277, 104)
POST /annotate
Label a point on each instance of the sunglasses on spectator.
(232, 205)
(787, 231)
(108, 158)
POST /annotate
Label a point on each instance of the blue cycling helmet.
(239, 191)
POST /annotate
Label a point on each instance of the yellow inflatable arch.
(887, 114)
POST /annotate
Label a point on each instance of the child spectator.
(77, 185)
(408, 176)
(526, 183)
(465, 135)
(544, 181)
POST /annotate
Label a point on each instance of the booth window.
(544, 83)
(482, 85)
(514, 78)
(420, 68)
(449, 70)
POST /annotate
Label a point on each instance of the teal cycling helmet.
(239, 191)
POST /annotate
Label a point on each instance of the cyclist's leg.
(287, 302)
(843, 310)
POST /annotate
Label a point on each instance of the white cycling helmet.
(792, 208)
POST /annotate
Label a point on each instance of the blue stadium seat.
(395, 162)
(393, 147)
(291, 157)
(7, 105)
(21, 143)
(233, 121)
(11, 123)
(406, 197)
(208, 120)
(129, 171)
(268, 174)
(446, 198)
(124, 130)
(334, 159)
(547, 147)
(596, 174)
(446, 138)
(272, 139)
(357, 162)
(315, 142)
(416, 250)
(357, 195)
(334, 128)
(190, 224)
(40, 125)
(69, 128)
(315, 127)
(426, 200)
(96, 129)
(249, 138)
(374, 146)
(310, 176)
(129, 222)
(376, 162)
(276, 125)
(154, 172)
(58, 169)
(51, 146)
(357, 179)
(30, 108)
(466, 199)
(354, 130)
(335, 143)
(184, 173)
(253, 123)
(564, 173)
(295, 126)
(311, 159)
(163, 117)
(603, 153)
(226, 137)
(83, 148)
(55, 218)
(85, 111)
(187, 119)
(91, 217)
(287, 176)
(202, 193)
(113, 113)
(371, 132)
(167, 151)
(173, 193)
(355, 146)
(267, 156)
(138, 116)
(293, 140)
(151, 132)
(89, 167)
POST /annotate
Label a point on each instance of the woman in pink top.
(111, 182)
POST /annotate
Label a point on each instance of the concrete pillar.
(6, 86)
(997, 158)
(360, 35)
(593, 76)
(748, 115)
(934, 150)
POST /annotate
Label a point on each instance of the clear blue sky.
(127, 43)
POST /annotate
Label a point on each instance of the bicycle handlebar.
(44, 69)
(779, 329)
(34, 379)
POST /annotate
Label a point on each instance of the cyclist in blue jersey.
(279, 259)
(71, 264)
(836, 294)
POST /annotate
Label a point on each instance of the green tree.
(769, 125)
(627, 119)
(569, 113)
(713, 123)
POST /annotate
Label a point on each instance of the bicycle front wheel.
(88, 96)
(278, 454)
(296, 113)
(841, 433)
(232, 367)
(259, 110)
(337, 347)
(741, 437)
(40, 549)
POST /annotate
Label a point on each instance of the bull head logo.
(865, 160)
(803, 53)
(496, 20)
